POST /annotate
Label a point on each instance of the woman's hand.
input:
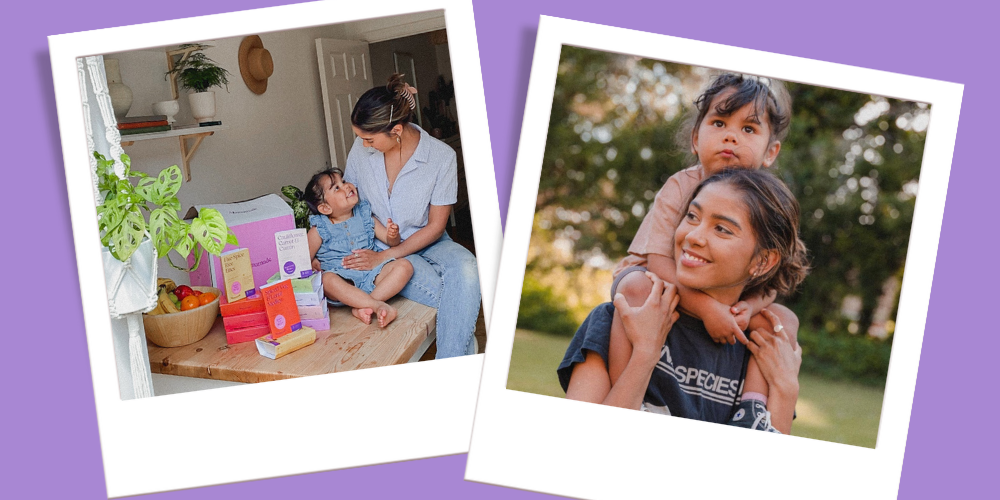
(646, 326)
(778, 358)
(363, 260)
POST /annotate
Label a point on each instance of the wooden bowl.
(185, 327)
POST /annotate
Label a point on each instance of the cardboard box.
(241, 321)
(254, 223)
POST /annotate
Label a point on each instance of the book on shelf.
(144, 130)
(294, 260)
(274, 348)
(282, 312)
(238, 274)
(129, 126)
(140, 119)
(210, 124)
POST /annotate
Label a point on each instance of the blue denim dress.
(339, 240)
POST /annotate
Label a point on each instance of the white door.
(345, 72)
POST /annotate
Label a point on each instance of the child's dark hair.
(313, 193)
(767, 96)
(380, 109)
(774, 216)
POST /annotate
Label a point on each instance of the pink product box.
(247, 334)
(254, 223)
(244, 320)
(314, 312)
(320, 325)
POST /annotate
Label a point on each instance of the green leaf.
(210, 230)
(291, 192)
(162, 190)
(166, 229)
(231, 239)
(184, 245)
(125, 237)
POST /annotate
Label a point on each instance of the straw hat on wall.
(255, 64)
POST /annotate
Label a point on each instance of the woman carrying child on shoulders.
(739, 123)
(412, 178)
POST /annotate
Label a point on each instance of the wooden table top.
(348, 345)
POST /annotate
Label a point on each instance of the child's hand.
(722, 326)
(316, 266)
(392, 230)
(741, 312)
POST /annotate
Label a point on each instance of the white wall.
(273, 139)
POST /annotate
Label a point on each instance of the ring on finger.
(778, 328)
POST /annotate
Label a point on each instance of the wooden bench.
(348, 345)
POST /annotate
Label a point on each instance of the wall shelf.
(183, 135)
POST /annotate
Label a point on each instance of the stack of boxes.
(244, 320)
(310, 300)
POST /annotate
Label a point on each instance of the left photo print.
(256, 200)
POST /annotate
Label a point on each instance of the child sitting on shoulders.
(342, 223)
(739, 123)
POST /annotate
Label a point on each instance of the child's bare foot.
(363, 313)
(386, 314)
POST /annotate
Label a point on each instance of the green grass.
(836, 411)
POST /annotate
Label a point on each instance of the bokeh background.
(617, 133)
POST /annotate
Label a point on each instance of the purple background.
(51, 447)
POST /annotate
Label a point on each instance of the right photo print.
(718, 246)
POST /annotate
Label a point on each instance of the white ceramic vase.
(168, 109)
(121, 95)
(202, 105)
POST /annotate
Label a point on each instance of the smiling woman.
(739, 236)
(411, 179)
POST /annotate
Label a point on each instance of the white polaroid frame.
(331, 421)
(551, 445)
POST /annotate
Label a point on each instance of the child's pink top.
(656, 233)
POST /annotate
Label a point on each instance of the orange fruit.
(206, 298)
(189, 302)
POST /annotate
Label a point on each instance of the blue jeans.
(446, 277)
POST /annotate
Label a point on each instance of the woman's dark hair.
(313, 193)
(382, 108)
(768, 97)
(774, 216)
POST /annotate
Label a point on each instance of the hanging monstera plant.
(122, 218)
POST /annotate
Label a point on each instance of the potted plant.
(299, 208)
(124, 225)
(198, 73)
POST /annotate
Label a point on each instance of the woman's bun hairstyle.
(382, 108)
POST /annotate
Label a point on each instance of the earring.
(398, 140)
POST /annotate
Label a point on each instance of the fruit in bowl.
(172, 327)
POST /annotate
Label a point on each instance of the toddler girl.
(740, 122)
(342, 224)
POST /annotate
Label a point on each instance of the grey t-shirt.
(695, 378)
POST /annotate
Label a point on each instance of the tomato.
(206, 298)
(189, 302)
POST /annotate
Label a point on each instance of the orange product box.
(245, 306)
(282, 312)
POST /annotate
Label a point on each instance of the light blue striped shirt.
(429, 177)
